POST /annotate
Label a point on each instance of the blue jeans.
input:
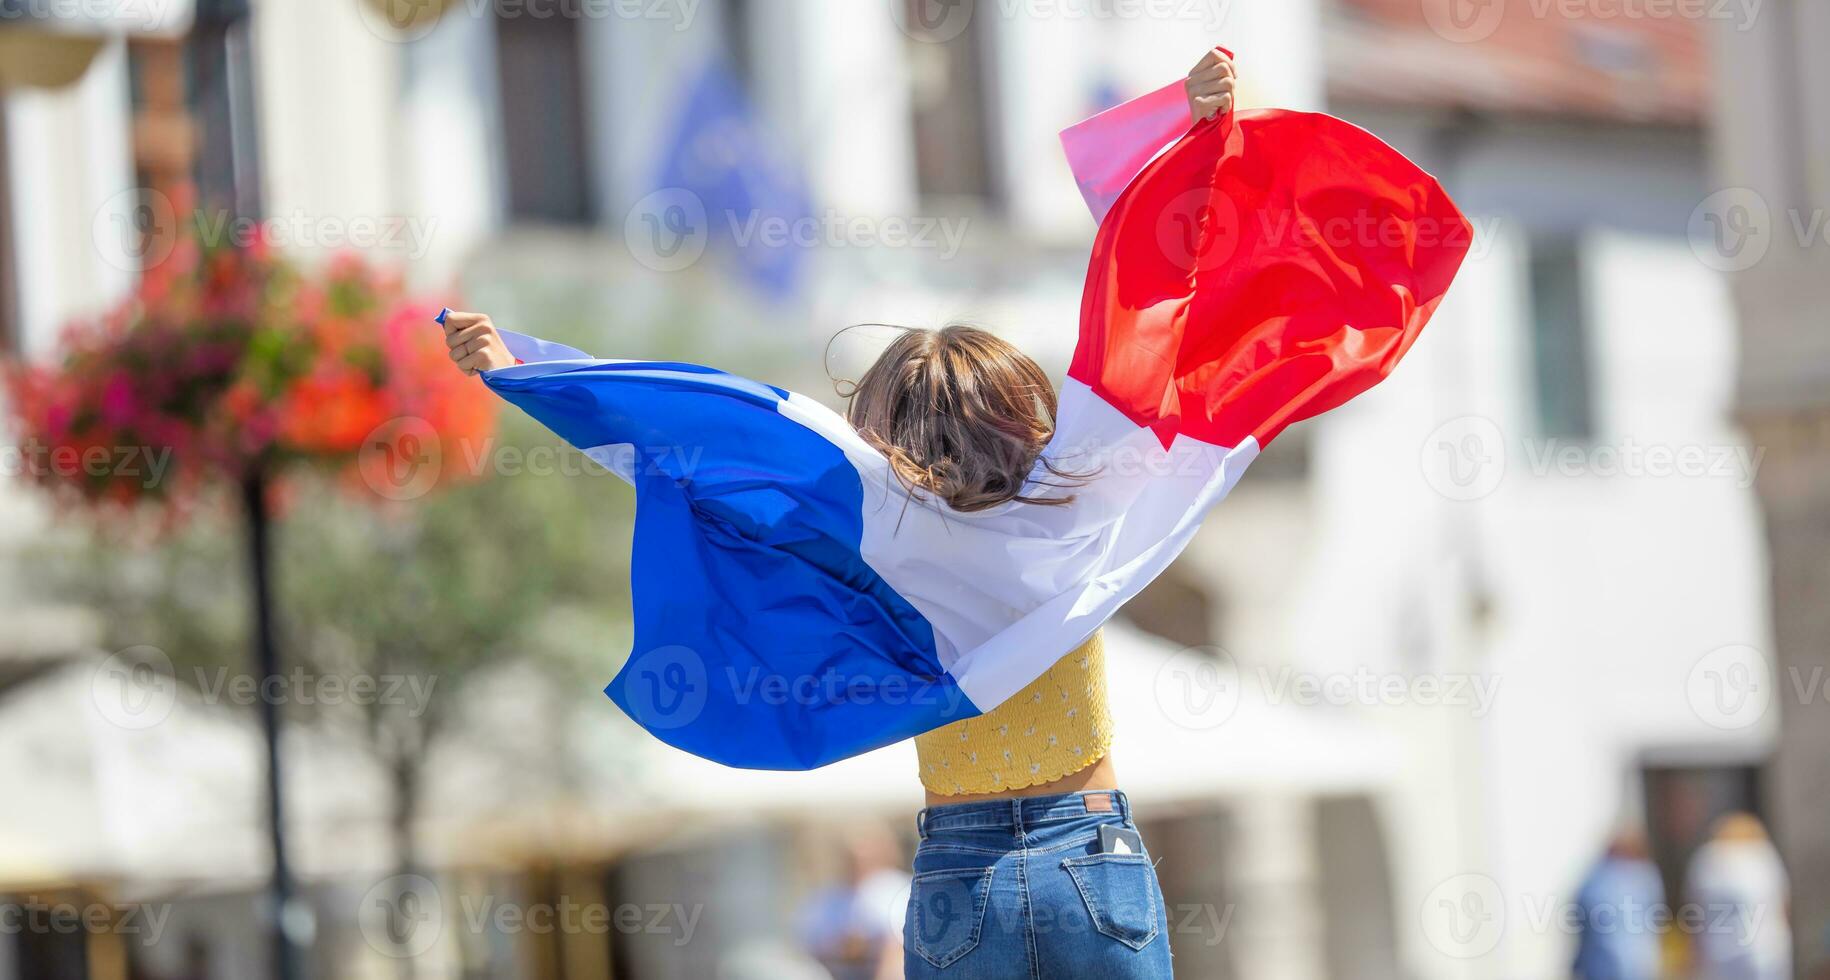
(1019, 888)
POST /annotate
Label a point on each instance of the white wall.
(370, 143)
(72, 191)
(1603, 591)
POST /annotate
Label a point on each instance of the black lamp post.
(228, 179)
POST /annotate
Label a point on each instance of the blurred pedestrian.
(854, 928)
(1617, 902)
(1739, 882)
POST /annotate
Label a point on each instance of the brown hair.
(960, 413)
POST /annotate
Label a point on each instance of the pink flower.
(118, 402)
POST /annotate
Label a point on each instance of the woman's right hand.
(1210, 85)
(475, 345)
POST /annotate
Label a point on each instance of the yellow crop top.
(1058, 725)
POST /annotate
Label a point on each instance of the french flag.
(795, 604)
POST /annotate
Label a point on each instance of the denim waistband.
(1020, 813)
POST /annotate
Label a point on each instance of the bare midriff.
(1100, 775)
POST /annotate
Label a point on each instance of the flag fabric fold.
(795, 604)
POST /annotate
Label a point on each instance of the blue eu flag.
(756, 205)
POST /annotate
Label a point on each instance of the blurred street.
(1517, 666)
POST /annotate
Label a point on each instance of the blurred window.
(952, 96)
(739, 39)
(1682, 799)
(165, 136)
(9, 263)
(540, 63)
(1560, 340)
(57, 948)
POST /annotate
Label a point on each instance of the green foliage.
(448, 587)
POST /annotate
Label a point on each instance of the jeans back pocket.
(1120, 893)
(946, 912)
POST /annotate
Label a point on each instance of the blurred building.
(1521, 540)
(1425, 659)
(1772, 156)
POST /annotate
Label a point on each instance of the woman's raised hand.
(475, 344)
(1210, 85)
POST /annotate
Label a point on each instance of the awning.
(51, 43)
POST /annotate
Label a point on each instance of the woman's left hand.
(475, 345)
(1210, 85)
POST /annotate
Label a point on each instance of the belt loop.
(1122, 804)
(921, 823)
(1016, 816)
